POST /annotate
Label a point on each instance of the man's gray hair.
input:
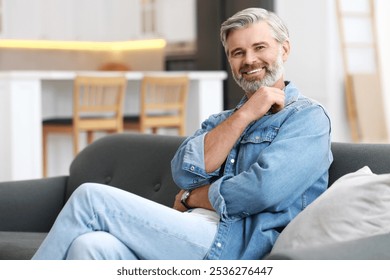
(253, 15)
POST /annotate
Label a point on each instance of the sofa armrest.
(31, 205)
(370, 248)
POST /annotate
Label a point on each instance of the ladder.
(361, 63)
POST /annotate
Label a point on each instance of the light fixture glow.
(83, 45)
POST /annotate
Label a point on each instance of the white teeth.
(253, 71)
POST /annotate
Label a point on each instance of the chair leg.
(182, 131)
(75, 142)
(154, 130)
(89, 137)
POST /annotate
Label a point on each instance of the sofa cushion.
(19, 245)
(355, 206)
(375, 247)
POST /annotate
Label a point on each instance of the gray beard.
(272, 75)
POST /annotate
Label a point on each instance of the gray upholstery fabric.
(31, 205)
(140, 164)
(19, 245)
(351, 157)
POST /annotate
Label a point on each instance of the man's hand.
(199, 198)
(263, 100)
(177, 204)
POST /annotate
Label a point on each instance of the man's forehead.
(258, 29)
(250, 35)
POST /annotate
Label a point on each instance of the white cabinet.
(21, 19)
(104, 20)
(96, 20)
(56, 19)
(176, 20)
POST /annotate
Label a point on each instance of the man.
(245, 174)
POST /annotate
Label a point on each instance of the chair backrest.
(164, 102)
(98, 103)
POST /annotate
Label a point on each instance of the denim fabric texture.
(277, 167)
(103, 222)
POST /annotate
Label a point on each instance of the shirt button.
(219, 245)
(232, 160)
(192, 168)
(257, 137)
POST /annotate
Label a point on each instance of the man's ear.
(286, 50)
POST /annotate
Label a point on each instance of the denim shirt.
(277, 167)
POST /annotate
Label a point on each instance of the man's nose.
(250, 57)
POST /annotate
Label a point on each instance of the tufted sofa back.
(139, 163)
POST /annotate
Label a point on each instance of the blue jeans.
(102, 222)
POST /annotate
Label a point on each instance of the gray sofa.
(141, 164)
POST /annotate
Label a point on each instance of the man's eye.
(236, 54)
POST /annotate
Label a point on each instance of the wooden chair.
(97, 106)
(163, 104)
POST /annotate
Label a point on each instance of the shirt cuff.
(217, 200)
(193, 160)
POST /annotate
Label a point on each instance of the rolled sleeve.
(188, 168)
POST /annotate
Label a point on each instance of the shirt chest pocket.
(259, 136)
(253, 143)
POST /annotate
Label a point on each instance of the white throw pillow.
(357, 205)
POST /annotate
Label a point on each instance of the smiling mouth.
(252, 71)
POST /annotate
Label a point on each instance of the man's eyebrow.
(235, 49)
(260, 43)
(253, 45)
